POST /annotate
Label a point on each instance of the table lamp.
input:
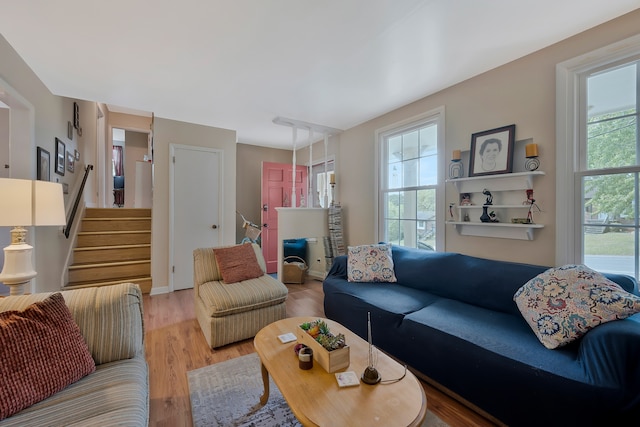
(29, 203)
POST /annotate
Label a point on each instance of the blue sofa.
(452, 318)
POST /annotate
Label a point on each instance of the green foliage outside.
(611, 143)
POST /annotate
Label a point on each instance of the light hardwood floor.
(174, 345)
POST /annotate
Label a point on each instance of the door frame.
(172, 151)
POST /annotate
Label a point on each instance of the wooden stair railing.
(67, 229)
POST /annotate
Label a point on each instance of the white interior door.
(196, 193)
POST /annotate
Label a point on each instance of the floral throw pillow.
(370, 263)
(564, 303)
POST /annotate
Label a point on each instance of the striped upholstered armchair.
(229, 310)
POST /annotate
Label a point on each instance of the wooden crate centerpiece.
(331, 361)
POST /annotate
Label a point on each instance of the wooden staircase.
(113, 246)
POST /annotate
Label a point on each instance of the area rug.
(228, 394)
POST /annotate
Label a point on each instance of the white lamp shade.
(49, 204)
(31, 203)
(16, 193)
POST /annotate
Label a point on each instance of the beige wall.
(50, 117)
(4, 141)
(249, 167)
(168, 132)
(521, 92)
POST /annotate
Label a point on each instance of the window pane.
(395, 148)
(393, 231)
(428, 170)
(408, 206)
(610, 249)
(608, 198)
(410, 145)
(426, 209)
(429, 141)
(392, 203)
(410, 173)
(612, 123)
(395, 175)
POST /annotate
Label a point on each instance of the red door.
(276, 192)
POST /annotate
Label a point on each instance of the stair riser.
(145, 284)
(92, 240)
(111, 255)
(116, 225)
(116, 213)
(115, 272)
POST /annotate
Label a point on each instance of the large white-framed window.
(598, 159)
(410, 182)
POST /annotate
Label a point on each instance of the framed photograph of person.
(60, 159)
(492, 151)
(44, 162)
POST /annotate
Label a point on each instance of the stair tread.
(118, 218)
(108, 264)
(97, 248)
(113, 232)
(88, 283)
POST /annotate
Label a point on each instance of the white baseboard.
(159, 290)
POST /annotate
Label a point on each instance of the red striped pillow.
(42, 352)
(237, 263)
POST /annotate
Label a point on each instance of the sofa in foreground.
(110, 322)
(234, 296)
(453, 319)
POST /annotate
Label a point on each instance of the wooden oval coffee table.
(314, 396)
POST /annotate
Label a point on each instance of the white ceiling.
(238, 64)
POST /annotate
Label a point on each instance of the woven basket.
(294, 271)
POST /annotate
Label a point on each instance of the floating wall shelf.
(496, 184)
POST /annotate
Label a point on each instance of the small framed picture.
(76, 155)
(44, 162)
(70, 161)
(76, 115)
(60, 160)
(69, 131)
(492, 151)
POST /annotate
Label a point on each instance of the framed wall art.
(60, 160)
(76, 115)
(70, 161)
(44, 164)
(492, 151)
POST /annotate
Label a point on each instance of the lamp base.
(370, 376)
(17, 270)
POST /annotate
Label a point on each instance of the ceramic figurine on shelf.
(489, 200)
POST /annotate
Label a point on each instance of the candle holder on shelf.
(531, 153)
(456, 169)
(332, 183)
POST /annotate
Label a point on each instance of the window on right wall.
(600, 147)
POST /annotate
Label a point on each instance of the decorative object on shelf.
(60, 160)
(456, 169)
(492, 151)
(531, 153)
(531, 202)
(332, 183)
(451, 215)
(32, 203)
(465, 199)
(489, 200)
(485, 217)
(44, 164)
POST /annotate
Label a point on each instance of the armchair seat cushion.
(223, 299)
